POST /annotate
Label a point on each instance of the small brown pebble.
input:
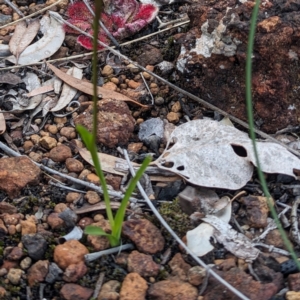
(110, 86)
(11, 229)
(134, 287)
(72, 291)
(60, 153)
(176, 107)
(73, 197)
(133, 84)
(114, 80)
(107, 70)
(83, 175)
(28, 227)
(54, 221)
(48, 142)
(35, 139)
(37, 157)
(52, 129)
(74, 165)
(27, 145)
(71, 252)
(85, 222)
(93, 178)
(92, 197)
(109, 290)
(173, 117)
(59, 120)
(68, 132)
(135, 147)
(60, 207)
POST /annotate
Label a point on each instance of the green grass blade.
(119, 218)
(252, 133)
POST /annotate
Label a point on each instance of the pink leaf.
(122, 18)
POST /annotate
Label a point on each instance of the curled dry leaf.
(207, 153)
(2, 123)
(233, 241)
(198, 239)
(68, 93)
(87, 87)
(10, 78)
(53, 37)
(32, 82)
(23, 36)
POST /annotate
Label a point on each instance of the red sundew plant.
(122, 18)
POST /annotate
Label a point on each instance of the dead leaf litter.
(202, 179)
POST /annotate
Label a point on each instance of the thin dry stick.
(180, 242)
(195, 98)
(32, 15)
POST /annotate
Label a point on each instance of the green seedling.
(89, 139)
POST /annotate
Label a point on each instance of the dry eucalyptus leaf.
(32, 82)
(207, 153)
(49, 103)
(233, 241)
(10, 78)
(53, 37)
(68, 93)
(119, 166)
(87, 87)
(23, 36)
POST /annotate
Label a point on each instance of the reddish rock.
(294, 282)
(134, 287)
(74, 272)
(92, 197)
(16, 253)
(149, 55)
(244, 283)
(257, 211)
(71, 252)
(74, 165)
(213, 53)
(7, 208)
(196, 275)
(68, 132)
(114, 181)
(28, 226)
(37, 272)
(71, 291)
(60, 153)
(146, 236)
(142, 264)
(115, 123)
(274, 238)
(55, 221)
(173, 290)
(179, 267)
(16, 173)
(109, 290)
(10, 219)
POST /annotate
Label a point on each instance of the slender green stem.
(93, 150)
(122, 209)
(252, 133)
